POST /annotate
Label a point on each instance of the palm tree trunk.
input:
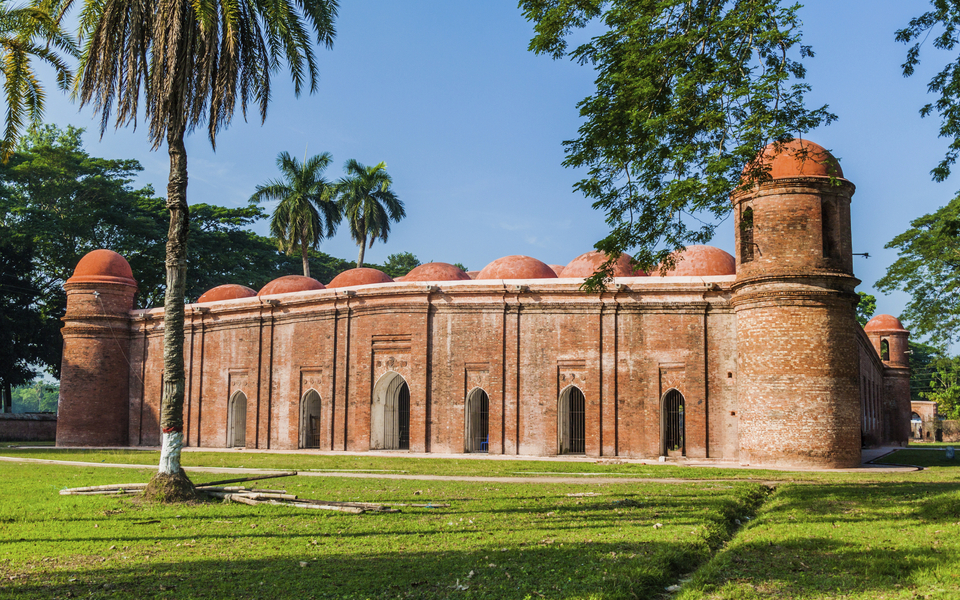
(171, 405)
(363, 246)
(306, 259)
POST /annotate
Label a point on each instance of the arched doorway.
(477, 421)
(672, 424)
(237, 421)
(390, 414)
(310, 420)
(572, 421)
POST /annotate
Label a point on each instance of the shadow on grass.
(607, 570)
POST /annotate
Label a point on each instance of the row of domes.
(695, 261)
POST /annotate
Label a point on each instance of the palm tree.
(368, 203)
(307, 209)
(189, 62)
(26, 33)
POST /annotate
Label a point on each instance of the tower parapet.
(794, 299)
(94, 380)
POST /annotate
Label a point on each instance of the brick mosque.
(756, 359)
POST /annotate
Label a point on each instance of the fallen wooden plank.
(116, 486)
(99, 492)
(256, 478)
(356, 510)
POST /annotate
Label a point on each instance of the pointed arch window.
(746, 236)
(884, 350)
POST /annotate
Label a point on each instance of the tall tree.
(368, 203)
(27, 33)
(21, 324)
(399, 264)
(687, 93)
(307, 209)
(190, 62)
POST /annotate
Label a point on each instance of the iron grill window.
(478, 422)
(576, 422)
(403, 417)
(313, 437)
(673, 409)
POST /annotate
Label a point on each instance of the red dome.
(702, 261)
(517, 267)
(361, 276)
(103, 266)
(885, 323)
(290, 283)
(436, 271)
(558, 269)
(472, 274)
(799, 158)
(586, 265)
(230, 291)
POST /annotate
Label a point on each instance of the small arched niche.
(572, 421)
(310, 420)
(237, 421)
(477, 421)
(672, 424)
(390, 413)
(884, 350)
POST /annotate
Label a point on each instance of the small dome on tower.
(290, 283)
(103, 266)
(884, 323)
(360, 276)
(798, 158)
(436, 271)
(230, 291)
(586, 265)
(517, 267)
(702, 261)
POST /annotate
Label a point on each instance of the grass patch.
(921, 458)
(495, 541)
(867, 541)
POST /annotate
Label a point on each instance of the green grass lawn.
(927, 457)
(866, 536)
(495, 541)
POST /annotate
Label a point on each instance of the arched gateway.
(237, 421)
(310, 420)
(390, 414)
(672, 424)
(571, 422)
(477, 421)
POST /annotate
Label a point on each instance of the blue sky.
(470, 124)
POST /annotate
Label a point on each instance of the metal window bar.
(239, 421)
(313, 438)
(479, 424)
(576, 416)
(673, 407)
(403, 417)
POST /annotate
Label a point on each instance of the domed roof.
(290, 283)
(517, 267)
(586, 265)
(702, 261)
(436, 271)
(472, 274)
(799, 158)
(230, 291)
(103, 266)
(884, 323)
(361, 276)
(558, 269)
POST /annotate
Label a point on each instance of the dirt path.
(582, 479)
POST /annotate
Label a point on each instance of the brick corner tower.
(890, 340)
(794, 298)
(94, 378)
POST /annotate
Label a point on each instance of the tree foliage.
(28, 33)
(399, 264)
(307, 210)
(687, 93)
(866, 307)
(368, 203)
(944, 387)
(36, 396)
(928, 268)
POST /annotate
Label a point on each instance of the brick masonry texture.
(771, 363)
(31, 427)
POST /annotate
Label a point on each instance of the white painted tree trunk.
(171, 445)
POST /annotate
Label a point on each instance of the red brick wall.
(33, 427)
